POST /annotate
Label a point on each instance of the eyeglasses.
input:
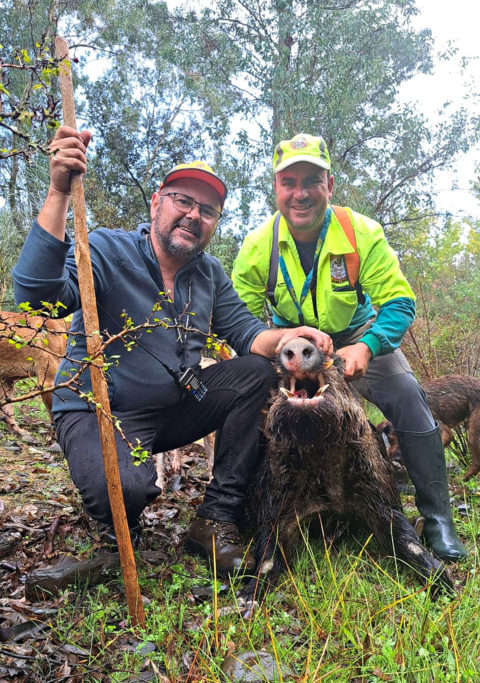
(184, 203)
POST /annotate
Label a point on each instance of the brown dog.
(453, 399)
(40, 358)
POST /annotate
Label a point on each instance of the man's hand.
(270, 342)
(68, 154)
(356, 357)
(321, 339)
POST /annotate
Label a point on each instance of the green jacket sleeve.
(382, 279)
(391, 324)
(249, 275)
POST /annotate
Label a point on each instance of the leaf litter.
(42, 525)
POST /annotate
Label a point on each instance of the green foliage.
(476, 184)
(144, 123)
(225, 245)
(30, 111)
(139, 454)
(28, 105)
(458, 447)
(442, 261)
(338, 615)
(143, 119)
(10, 244)
(226, 81)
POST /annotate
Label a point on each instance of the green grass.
(343, 614)
(36, 406)
(340, 615)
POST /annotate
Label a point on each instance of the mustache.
(191, 226)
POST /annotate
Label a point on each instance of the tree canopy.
(332, 68)
(229, 80)
(225, 82)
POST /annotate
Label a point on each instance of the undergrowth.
(343, 613)
(338, 614)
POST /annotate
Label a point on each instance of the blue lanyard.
(309, 278)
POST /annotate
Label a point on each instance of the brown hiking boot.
(230, 555)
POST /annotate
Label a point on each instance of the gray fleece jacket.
(127, 280)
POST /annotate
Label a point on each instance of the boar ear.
(338, 363)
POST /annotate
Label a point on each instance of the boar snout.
(299, 356)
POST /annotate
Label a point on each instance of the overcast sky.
(458, 22)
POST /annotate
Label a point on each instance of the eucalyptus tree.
(27, 105)
(225, 82)
(139, 107)
(332, 67)
(30, 104)
(142, 112)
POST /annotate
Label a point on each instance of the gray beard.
(182, 251)
(178, 250)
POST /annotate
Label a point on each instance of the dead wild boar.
(39, 359)
(453, 399)
(323, 458)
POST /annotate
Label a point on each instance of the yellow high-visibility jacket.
(337, 305)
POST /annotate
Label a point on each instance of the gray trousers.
(389, 384)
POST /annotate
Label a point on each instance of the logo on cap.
(298, 143)
(302, 147)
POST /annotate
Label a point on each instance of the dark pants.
(237, 390)
(389, 384)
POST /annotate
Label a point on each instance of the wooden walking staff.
(99, 384)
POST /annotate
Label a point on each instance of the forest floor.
(82, 632)
(42, 523)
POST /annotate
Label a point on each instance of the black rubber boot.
(425, 461)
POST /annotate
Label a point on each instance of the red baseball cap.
(198, 170)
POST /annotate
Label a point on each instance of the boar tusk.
(321, 390)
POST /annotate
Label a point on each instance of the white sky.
(459, 23)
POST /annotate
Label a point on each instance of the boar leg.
(274, 537)
(395, 535)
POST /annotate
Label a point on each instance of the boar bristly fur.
(323, 458)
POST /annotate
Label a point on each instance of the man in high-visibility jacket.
(329, 270)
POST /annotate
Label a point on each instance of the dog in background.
(453, 400)
(40, 358)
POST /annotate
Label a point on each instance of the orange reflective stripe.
(352, 261)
